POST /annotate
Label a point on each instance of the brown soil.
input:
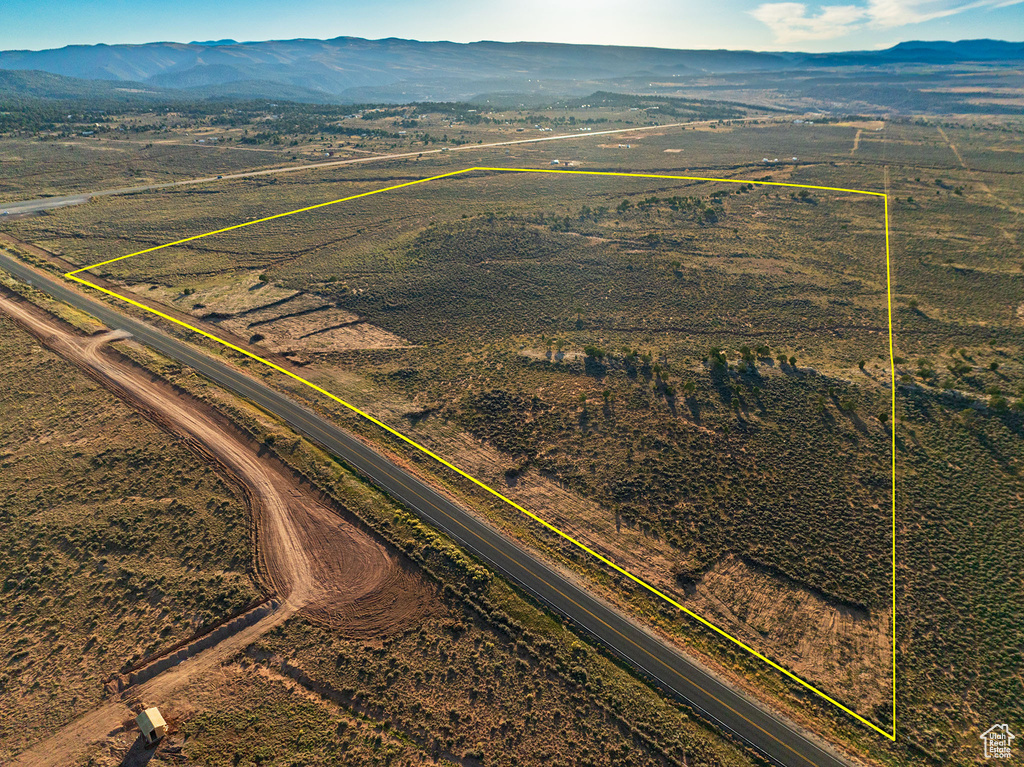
(307, 553)
(834, 646)
(286, 321)
(244, 293)
(147, 298)
(841, 645)
(869, 125)
(324, 330)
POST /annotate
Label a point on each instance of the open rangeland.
(307, 554)
(693, 378)
(358, 605)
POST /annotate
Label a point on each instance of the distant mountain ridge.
(351, 68)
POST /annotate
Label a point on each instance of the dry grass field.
(485, 678)
(116, 540)
(691, 377)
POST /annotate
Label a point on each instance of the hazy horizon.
(232, 41)
(732, 24)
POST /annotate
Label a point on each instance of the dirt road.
(27, 207)
(1011, 236)
(313, 559)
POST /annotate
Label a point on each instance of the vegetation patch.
(115, 541)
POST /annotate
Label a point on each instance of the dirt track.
(312, 558)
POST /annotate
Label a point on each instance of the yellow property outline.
(72, 275)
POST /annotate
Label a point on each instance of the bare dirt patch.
(243, 292)
(873, 125)
(308, 553)
(297, 304)
(277, 319)
(820, 639)
(552, 355)
(324, 330)
(318, 562)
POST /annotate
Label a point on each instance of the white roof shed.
(152, 724)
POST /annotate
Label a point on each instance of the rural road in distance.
(773, 736)
(23, 207)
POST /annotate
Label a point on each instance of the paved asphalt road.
(49, 203)
(45, 203)
(775, 738)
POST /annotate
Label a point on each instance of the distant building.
(152, 725)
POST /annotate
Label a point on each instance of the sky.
(735, 24)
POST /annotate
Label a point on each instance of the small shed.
(152, 725)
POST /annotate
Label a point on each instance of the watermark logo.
(997, 740)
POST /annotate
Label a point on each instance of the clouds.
(897, 13)
(792, 22)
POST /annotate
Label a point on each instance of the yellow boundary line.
(72, 275)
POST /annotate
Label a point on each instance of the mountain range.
(355, 69)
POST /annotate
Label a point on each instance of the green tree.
(717, 357)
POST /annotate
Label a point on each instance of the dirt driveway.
(308, 555)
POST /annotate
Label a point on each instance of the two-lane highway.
(775, 738)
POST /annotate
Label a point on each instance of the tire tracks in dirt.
(983, 186)
(307, 554)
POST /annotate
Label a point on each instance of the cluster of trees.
(748, 357)
(35, 114)
(455, 110)
(706, 209)
(695, 109)
(564, 120)
(20, 115)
